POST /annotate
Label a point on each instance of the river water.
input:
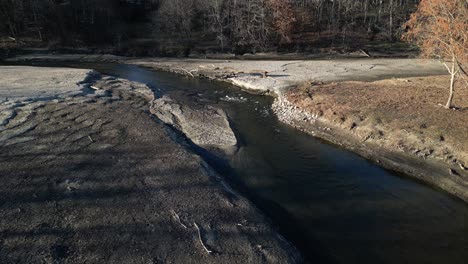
(335, 206)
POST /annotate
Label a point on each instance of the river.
(335, 206)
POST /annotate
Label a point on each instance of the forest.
(183, 27)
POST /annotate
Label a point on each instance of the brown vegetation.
(398, 114)
(439, 27)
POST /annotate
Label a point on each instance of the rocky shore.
(275, 77)
(205, 126)
(89, 175)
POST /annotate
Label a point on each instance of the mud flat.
(23, 83)
(281, 75)
(92, 176)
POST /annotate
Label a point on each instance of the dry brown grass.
(403, 114)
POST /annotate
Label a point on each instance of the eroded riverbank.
(397, 123)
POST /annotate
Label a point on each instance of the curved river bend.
(335, 206)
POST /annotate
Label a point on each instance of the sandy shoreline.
(81, 185)
(281, 75)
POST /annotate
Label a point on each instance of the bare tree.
(283, 18)
(439, 27)
(239, 25)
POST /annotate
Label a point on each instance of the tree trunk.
(453, 72)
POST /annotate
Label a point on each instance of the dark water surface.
(335, 206)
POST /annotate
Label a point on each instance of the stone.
(207, 126)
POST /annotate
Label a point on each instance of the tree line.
(72, 22)
(186, 26)
(182, 27)
(259, 25)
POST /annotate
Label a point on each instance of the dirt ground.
(96, 179)
(400, 115)
(283, 74)
(22, 83)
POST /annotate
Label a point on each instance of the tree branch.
(201, 240)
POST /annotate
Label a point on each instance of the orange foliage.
(440, 28)
(283, 18)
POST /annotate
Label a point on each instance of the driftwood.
(177, 218)
(365, 53)
(188, 72)
(204, 66)
(462, 166)
(262, 72)
(201, 240)
(453, 172)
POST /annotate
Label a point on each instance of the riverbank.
(82, 185)
(391, 117)
(432, 159)
(281, 75)
(397, 123)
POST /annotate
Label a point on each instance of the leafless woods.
(220, 25)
